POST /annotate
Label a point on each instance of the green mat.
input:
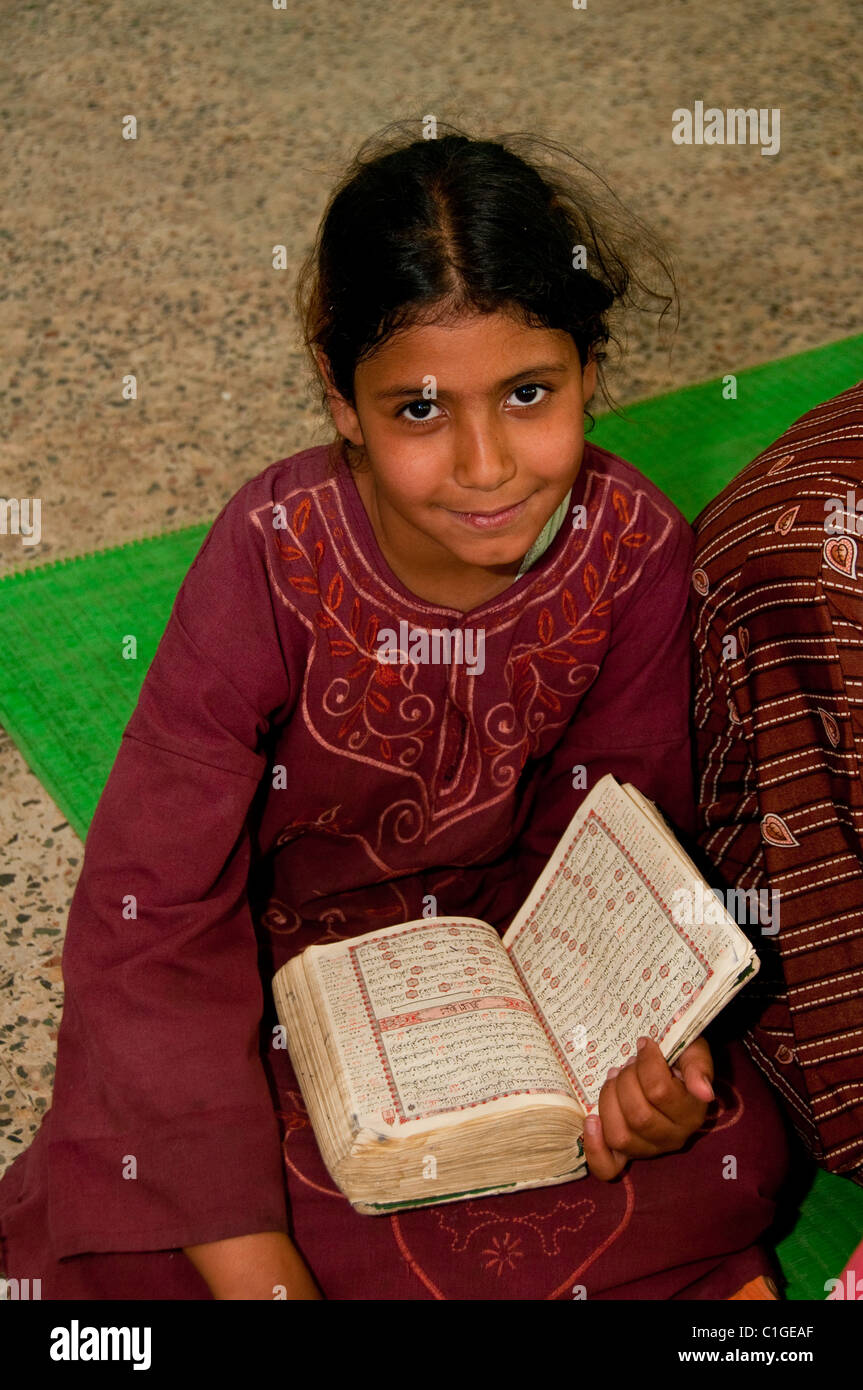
(825, 1227)
(66, 691)
(692, 442)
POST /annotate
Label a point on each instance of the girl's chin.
(487, 544)
(490, 556)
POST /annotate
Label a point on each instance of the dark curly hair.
(425, 230)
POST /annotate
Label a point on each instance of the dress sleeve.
(634, 720)
(163, 1132)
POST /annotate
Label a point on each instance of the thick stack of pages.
(438, 1061)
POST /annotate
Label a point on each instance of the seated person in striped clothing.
(777, 613)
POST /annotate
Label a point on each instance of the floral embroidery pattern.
(549, 640)
(503, 1253)
(472, 1218)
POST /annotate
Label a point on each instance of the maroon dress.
(278, 785)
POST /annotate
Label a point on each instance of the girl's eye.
(421, 410)
(423, 407)
(530, 388)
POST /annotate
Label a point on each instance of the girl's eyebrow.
(543, 369)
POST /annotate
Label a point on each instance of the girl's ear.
(324, 368)
(345, 417)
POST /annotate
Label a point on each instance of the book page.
(597, 948)
(431, 1018)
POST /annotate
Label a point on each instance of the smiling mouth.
(491, 519)
(500, 511)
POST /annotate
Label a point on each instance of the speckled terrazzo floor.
(154, 257)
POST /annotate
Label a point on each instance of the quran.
(439, 1061)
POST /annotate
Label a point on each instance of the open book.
(438, 1062)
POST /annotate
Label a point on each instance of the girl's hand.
(645, 1108)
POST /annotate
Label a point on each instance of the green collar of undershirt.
(546, 536)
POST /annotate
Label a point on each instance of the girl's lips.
(490, 521)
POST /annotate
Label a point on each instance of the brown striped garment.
(777, 614)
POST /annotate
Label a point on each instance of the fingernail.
(642, 1042)
(709, 1087)
(628, 1063)
(593, 1125)
(612, 1073)
(675, 1071)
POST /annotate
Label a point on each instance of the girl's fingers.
(645, 1109)
(661, 1099)
(627, 1119)
(696, 1066)
(604, 1163)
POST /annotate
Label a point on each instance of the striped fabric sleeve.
(778, 688)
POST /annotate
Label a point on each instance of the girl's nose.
(481, 459)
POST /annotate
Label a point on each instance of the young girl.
(278, 785)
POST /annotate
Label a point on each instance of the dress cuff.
(202, 1177)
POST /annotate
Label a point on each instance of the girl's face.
(473, 435)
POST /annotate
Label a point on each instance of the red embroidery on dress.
(387, 715)
(567, 1284)
(464, 1221)
(503, 1252)
(547, 1226)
